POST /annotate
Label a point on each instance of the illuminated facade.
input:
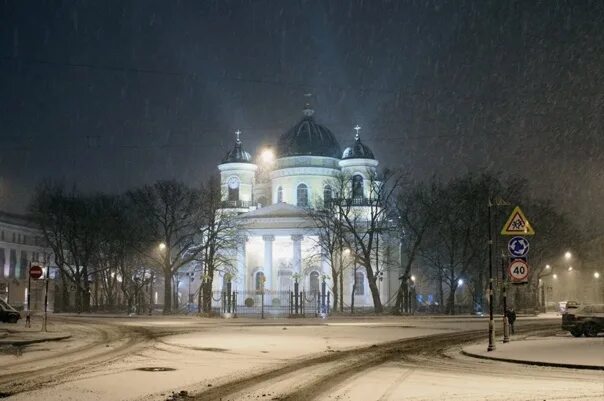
(279, 240)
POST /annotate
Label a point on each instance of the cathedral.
(272, 198)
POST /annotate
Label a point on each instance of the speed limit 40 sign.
(518, 270)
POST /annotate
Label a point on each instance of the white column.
(241, 266)
(268, 261)
(297, 255)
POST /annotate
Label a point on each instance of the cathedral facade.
(279, 241)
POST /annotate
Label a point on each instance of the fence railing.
(271, 304)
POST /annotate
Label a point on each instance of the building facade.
(279, 240)
(21, 243)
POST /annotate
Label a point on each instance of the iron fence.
(270, 304)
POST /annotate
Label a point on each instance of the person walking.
(511, 314)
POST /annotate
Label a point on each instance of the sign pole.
(45, 321)
(28, 316)
(491, 346)
(506, 326)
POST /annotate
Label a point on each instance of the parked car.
(568, 306)
(8, 314)
(587, 319)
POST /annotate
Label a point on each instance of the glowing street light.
(555, 276)
(162, 246)
(413, 278)
(596, 275)
(570, 268)
(548, 267)
(460, 282)
(267, 156)
(568, 255)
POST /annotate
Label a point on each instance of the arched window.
(359, 283)
(327, 195)
(357, 186)
(279, 194)
(314, 282)
(259, 281)
(302, 195)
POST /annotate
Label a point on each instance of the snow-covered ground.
(205, 353)
(558, 350)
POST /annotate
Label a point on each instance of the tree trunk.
(335, 290)
(375, 295)
(207, 296)
(441, 294)
(341, 290)
(167, 291)
(86, 293)
(354, 286)
(451, 300)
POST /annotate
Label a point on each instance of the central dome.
(307, 138)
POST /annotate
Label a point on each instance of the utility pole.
(28, 316)
(46, 299)
(491, 346)
(506, 323)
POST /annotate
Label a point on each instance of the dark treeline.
(439, 230)
(110, 249)
(444, 237)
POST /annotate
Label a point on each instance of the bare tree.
(330, 240)
(415, 214)
(365, 221)
(172, 214)
(220, 233)
(69, 222)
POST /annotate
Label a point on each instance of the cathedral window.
(357, 186)
(359, 283)
(259, 281)
(314, 282)
(302, 195)
(279, 194)
(327, 195)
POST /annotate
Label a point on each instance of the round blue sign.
(518, 247)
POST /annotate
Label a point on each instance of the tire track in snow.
(337, 367)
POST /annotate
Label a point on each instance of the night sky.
(113, 94)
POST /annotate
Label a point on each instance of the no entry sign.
(36, 272)
(518, 270)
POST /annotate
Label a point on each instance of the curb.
(34, 341)
(534, 363)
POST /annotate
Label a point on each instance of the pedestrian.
(511, 318)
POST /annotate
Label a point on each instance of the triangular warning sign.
(517, 224)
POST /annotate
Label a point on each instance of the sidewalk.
(559, 351)
(17, 335)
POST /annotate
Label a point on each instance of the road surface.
(181, 358)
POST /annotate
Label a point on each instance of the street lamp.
(162, 246)
(548, 267)
(555, 276)
(267, 156)
(568, 255)
(570, 268)
(596, 275)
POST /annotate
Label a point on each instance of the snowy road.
(377, 359)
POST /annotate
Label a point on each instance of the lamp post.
(491, 346)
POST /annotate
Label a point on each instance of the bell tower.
(237, 178)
